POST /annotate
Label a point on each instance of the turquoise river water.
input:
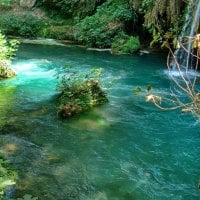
(126, 149)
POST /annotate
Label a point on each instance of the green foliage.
(7, 48)
(21, 25)
(6, 4)
(125, 44)
(80, 92)
(146, 4)
(99, 29)
(163, 16)
(72, 8)
(8, 176)
(57, 32)
(7, 51)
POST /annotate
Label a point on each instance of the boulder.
(27, 3)
(5, 70)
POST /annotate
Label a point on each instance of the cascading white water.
(190, 28)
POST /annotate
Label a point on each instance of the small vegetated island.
(80, 93)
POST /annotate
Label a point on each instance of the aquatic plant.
(80, 92)
(5, 4)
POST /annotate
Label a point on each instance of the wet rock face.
(27, 3)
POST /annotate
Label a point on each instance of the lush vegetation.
(99, 29)
(164, 17)
(100, 21)
(80, 92)
(72, 8)
(25, 25)
(6, 4)
(125, 44)
(7, 51)
(124, 25)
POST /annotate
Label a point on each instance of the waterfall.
(190, 29)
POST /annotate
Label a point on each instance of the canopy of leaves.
(99, 29)
(73, 8)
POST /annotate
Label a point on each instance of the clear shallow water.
(124, 150)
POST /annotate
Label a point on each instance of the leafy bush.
(5, 4)
(99, 29)
(72, 8)
(7, 51)
(57, 32)
(125, 44)
(80, 92)
(25, 25)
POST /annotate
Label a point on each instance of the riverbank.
(114, 31)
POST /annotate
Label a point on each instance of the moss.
(5, 70)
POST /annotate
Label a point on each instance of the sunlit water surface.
(124, 150)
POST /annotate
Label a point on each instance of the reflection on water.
(124, 150)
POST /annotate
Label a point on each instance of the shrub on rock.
(80, 93)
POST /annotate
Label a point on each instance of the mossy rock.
(5, 70)
(80, 97)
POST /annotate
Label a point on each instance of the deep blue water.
(126, 149)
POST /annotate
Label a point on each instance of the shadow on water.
(124, 150)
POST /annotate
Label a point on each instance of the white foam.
(33, 67)
(190, 73)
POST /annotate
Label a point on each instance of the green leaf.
(137, 90)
